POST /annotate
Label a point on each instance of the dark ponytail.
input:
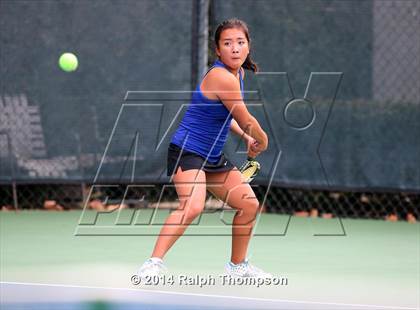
(249, 64)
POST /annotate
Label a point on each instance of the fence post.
(199, 40)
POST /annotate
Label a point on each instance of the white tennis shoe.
(152, 267)
(245, 269)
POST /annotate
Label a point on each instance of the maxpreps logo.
(142, 132)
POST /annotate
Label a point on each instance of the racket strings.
(250, 169)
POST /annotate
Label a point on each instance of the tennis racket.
(250, 169)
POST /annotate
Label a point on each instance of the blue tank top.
(204, 128)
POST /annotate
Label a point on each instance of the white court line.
(213, 296)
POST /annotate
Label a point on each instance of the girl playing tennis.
(195, 158)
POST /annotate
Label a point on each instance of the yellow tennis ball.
(68, 62)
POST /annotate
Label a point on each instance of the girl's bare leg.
(229, 187)
(191, 189)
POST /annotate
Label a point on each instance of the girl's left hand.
(252, 146)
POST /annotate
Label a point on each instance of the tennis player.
(195, 158)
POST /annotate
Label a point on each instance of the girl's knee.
(250, 206)
(190, 212)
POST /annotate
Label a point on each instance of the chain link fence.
(46, 154)
(299, 202)
(396, 50)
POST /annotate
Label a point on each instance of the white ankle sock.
(156, 259)
(234, 265)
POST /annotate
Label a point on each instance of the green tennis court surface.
(374, 266)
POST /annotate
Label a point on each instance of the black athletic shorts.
(189, 161)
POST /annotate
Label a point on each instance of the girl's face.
(233, 48)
